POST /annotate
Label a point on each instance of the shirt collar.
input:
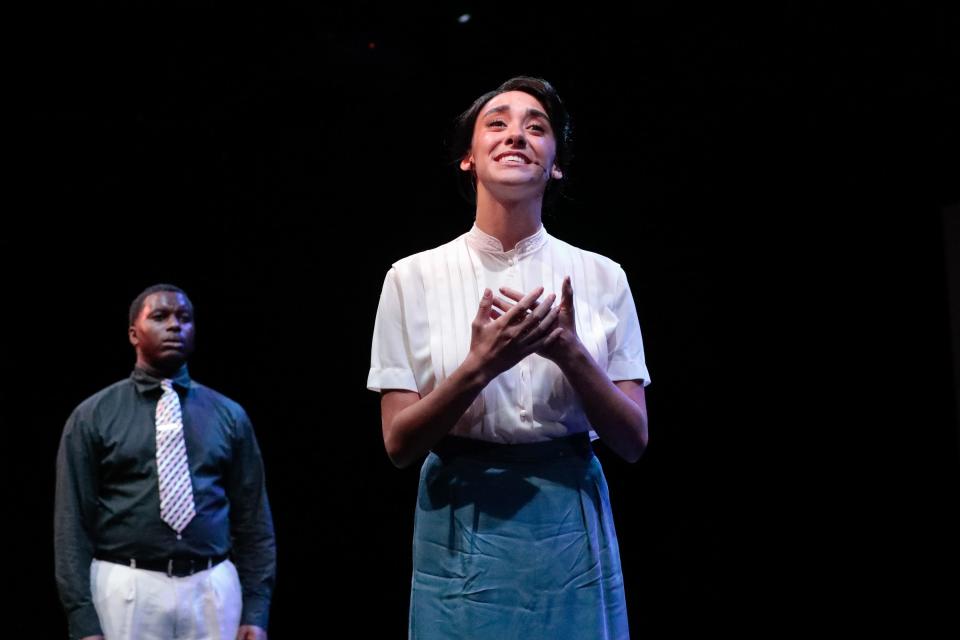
(483, 241)
(146, 382)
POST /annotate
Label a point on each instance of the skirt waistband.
(577, 445)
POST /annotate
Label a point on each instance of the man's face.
(163, 331)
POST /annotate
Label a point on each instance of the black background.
(771, 180)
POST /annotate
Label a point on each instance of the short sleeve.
(390, 359)
(624, 341)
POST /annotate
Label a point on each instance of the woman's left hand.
(563, 342)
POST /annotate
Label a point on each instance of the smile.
(512, 158)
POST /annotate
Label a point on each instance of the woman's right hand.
(501, 340)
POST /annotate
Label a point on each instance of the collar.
(147, 383)
(483, 241)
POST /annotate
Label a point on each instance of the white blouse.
(422, 331)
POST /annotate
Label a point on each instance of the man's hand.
(251, 632)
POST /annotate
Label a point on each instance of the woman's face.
(513, 148)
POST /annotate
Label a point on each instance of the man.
(159, 479)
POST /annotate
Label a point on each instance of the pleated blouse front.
(423, 329)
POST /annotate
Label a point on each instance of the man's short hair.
(137, 305)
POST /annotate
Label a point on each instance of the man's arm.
(251, 526)
(73, 521)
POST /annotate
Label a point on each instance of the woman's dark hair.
(559, 121)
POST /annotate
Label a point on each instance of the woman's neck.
(508, 222)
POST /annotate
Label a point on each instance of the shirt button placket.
(524, 389)
(513, 276)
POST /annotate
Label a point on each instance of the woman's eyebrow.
(500, 109)
(530, 112)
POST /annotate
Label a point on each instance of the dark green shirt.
(108, 502)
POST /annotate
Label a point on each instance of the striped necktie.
(173, 469)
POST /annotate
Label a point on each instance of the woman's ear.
(556, 173)
(467, 163)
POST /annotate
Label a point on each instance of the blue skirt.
(515, 541)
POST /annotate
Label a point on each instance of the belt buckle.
(183, 567)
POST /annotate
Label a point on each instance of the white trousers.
(136, 604)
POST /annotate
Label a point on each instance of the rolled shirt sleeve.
(624, 342)
(390, 366)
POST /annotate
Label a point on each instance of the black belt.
(174, 567)
(455, 446)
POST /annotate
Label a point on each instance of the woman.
(513, 536)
